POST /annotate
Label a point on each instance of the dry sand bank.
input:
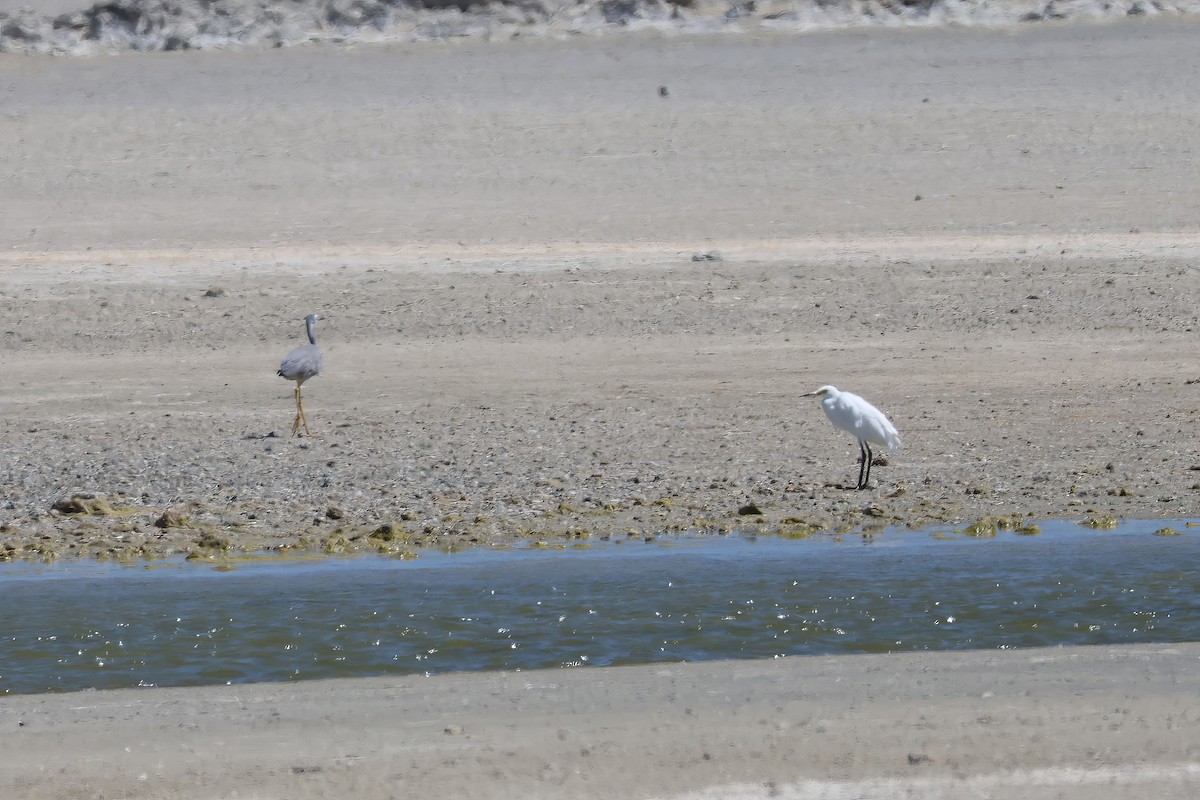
(1115, 722)
(1043, 130)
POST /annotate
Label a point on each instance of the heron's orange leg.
(301, 419)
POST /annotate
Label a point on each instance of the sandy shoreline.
(1048, 723)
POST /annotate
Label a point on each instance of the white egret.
(299, 365)
(866, 423)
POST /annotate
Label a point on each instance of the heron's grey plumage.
(305, 361)
(299, 365)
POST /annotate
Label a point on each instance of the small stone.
(171, 519)
(453, 730)
(214, 291)
(333, 512)
(83, 503)
(748, 510)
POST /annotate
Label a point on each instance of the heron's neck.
(312, 338)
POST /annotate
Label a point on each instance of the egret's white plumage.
(299, 365)
(866, 423)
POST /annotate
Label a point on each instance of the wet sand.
(1114, 722)
(986, 233)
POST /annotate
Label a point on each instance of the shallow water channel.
(78, 625)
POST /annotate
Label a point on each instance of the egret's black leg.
(870, 458)
(864, 464)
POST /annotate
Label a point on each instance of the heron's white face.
(824, 390)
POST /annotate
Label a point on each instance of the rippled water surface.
(73, 626)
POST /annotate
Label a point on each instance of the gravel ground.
(614, 393)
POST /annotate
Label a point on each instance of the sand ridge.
(82, 29)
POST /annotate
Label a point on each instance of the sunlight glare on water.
(74, 626)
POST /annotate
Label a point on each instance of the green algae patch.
(212, 541)
(399, 553)
(992, 524)
(384, 533)
(336, 543)
(1168, 532)
(985, 528)
(798, 528)
(210, 546)
(708, 524)
(1102, 522)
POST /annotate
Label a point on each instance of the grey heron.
(299, 365)
(854, 415)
